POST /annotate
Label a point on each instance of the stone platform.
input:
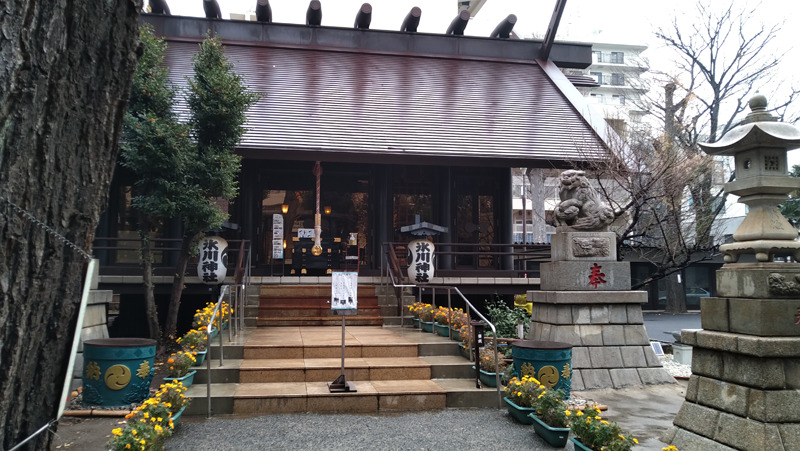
(611, 348)
(745, 387)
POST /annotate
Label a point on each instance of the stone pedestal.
(585, 300)
(744, 391)
(610, 344)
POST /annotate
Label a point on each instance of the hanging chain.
(31, 218)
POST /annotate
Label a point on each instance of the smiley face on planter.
(117, 377)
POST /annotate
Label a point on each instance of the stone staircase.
(310, 305)
(286, 369)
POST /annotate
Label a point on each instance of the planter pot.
(520, 414)
(426, 326)
(548, 361)
(556, 437)
(442, 329)
(176, 418)
(462, 348)
(200, 357)
(415, 323)
(487, 379)
(117, 371)
(214, 333)
(186, 380)
(578, 445)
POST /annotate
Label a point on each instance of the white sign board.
(305, 233)
(212, 266)
(344, 292)
(277, 236)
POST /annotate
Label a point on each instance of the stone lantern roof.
(758, 129)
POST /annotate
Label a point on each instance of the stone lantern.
(759, 145)
(745, 381)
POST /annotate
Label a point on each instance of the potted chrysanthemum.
(180, 364)
(194, 341)
(593, 433)
(551, 417)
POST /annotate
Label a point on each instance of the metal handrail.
(224, 290)
(396, 283)
(494, 332)
(468, 304)
(235, 314)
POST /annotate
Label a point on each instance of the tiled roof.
(329, 104)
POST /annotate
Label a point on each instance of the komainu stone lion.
(580, 206)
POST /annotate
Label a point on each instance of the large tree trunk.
(65, 73)
(171, 326)
(151, 312)
(536, 181)
(676, 294)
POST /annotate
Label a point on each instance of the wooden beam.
(550, 36)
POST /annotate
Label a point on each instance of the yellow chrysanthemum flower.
(117, 431)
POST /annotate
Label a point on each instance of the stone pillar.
(744, 391)
(586, 299)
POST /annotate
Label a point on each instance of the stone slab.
(596, 378)
(698, 419)
(714, 314)
(655, 376)
(606, 357)
(723, 396)
(759, 280)
(573, 245)
(764, 317)
(577, 380)
(589, 297)
(785, 347)
(689, 441)
(622, 378)
(774, 406)
(745, 433)
(635, 334)
(579, 275)
(633, 357)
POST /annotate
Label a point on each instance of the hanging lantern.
(212, 266)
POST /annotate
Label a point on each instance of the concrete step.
(330, 351)
(371, 396)
(288, 370)
(328, 369)
(319, 321)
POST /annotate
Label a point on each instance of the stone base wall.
(611, 348)
(743, 393)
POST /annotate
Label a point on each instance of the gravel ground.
(461, 429)
(674, 368)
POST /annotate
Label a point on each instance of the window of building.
(596, 98)
(597, 76)
(598, 57)
(618, 57)
(617, 79)
(619, 100)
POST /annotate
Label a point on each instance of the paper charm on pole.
(317, 249)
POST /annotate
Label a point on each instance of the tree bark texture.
(171, 325)
(65, 74)
(676, 293)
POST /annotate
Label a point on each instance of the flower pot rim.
(506, 399)
(180, 378)
(535, 416)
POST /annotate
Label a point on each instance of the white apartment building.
(617, 70)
